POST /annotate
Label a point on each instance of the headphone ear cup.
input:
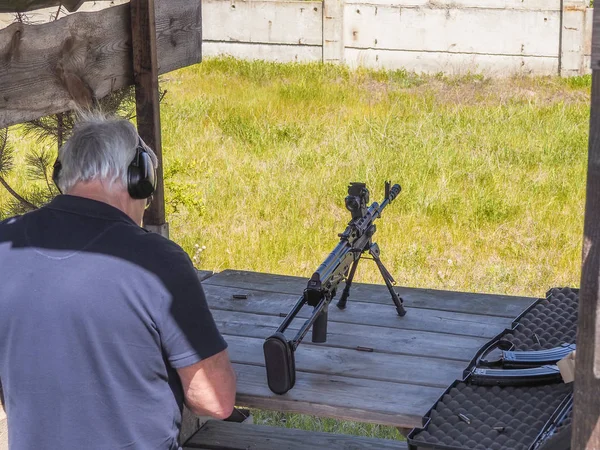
(141, 177)
(133, 178)
(56, 173)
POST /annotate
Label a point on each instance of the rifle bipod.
(387, 278)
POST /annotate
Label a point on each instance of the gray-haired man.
(104, 327)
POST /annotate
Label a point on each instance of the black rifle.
(340, 265)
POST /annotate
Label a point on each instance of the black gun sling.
(280, 362)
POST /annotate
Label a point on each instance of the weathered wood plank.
(217, 435)
(145, 77)
(45, 15)
(596, 40)
(274, 304)
(330, 361)
(485, 304)
(344, 398)
(8, 6)
(259, 21)
(204, 274)
(586, 415)
(351, 336)
(53, 67)
(456, 30)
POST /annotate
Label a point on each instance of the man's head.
(106, 160)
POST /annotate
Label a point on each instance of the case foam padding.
(553, 321)
(522, 411)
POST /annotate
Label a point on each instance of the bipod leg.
(344, 298)
(389, 280)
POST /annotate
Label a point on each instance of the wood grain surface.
(218, 435)
(402, 367)
(57, 66)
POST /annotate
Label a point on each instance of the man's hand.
(209, 386)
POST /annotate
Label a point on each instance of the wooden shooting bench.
(375, 367)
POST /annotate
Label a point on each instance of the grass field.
(258, 157)
(493, 173)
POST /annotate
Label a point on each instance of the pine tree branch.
(25, 203)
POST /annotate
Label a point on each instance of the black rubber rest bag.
(280, 363)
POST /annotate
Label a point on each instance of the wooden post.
(586, 415)
(333, 31)
(145, 73)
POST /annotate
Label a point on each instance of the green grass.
(493, 172)
(321, 424)
(258, 157)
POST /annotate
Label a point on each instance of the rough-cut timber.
(586, 416)
(8, 6)
(596, 41)
(145, 75)
(461, 302)
(218, 435)
(54, 67)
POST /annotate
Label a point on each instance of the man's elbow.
(210, 386)
(223, 413)
(221, 408)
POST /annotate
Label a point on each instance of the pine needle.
(6, 153)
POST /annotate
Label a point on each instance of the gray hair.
(100, 148)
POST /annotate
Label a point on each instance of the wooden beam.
(596, 40)
(238, 436)
(145, 74)
(9, 6)
(586, 418)
(54, 67)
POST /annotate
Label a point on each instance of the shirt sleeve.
(188, 331)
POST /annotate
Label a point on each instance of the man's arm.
(209, 386)
(190, 339)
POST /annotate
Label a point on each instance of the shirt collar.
(88, 207)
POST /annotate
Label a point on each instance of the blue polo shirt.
(95, 316)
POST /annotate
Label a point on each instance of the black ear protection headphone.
(141, 173)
